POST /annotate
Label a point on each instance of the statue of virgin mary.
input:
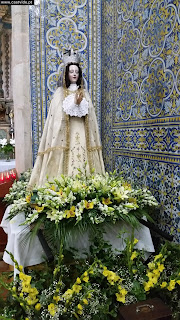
(70, 139)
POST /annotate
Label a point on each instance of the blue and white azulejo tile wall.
(141, 98)
(54, 26)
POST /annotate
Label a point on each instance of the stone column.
(1, 72)
(21, 87)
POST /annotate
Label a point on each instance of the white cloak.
(67, 143)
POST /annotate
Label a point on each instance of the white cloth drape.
(26, 250)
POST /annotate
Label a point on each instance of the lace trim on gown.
(73, 109)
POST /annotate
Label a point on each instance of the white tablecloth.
(116, 235)
(28, 251)
(7, 165)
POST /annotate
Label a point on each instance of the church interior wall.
(141, 99)
(130, 59)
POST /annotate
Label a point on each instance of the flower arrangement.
(81, 202)
(7, 146)
(95, 288)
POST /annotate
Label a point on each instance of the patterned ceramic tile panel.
(141, 98)
(54, 26)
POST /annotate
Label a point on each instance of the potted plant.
(7, 147)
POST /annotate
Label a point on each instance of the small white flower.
(3, 142)
(12, 141)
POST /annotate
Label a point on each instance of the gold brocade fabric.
(67, 143)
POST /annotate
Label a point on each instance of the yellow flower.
(33, 291)
(24, 278)
(31, 299)
(52, 309)
(85, 301)
(134, 270)
(154, 279)
(106, 201)
(76, 288)
(78, 280)
(147, 286)
(60, 192)
(151, 265)
(20, 268)
(39, 209)
(127, 185)
(105, 272)
(161, 267)
(79, 312)
(70, 213)
(26, 288)
(134, 255)
(80, 307)
(68, 294)
(56, 298)
(135, 241)
(178, 282)
(150, 275)
(112, 277)
(163, 284)
(38, 306)
(156, 272)
(158, 257)
(86, 279)
(134, 201)
(171, 285)
(123, 291)
(28, 198)
(121, 296)
(88, 205)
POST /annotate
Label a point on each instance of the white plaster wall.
(21, 87)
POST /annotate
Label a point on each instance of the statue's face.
(73, 73)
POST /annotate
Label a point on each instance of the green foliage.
(95, 287)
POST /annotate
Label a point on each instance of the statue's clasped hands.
(78, 98)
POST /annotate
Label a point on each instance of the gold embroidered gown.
(70, 139)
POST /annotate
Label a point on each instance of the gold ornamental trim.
(52, 149)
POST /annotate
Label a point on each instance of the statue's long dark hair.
(67, 82)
